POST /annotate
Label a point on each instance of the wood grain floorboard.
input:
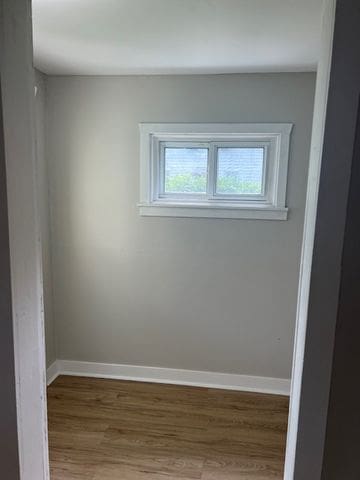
(103, 429)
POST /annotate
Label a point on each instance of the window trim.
(275, 135)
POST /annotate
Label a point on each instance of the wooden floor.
(115, 430)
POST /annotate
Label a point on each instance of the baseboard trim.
(227, 381)
(52, 372)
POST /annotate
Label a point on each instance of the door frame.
(316, 152)
(18, 102)
(17, 79)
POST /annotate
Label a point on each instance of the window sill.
(206, 210)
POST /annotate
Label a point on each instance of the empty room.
(173, 142)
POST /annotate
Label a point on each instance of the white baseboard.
(52, 372)
(227, 381)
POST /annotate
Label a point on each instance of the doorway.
(82, 366)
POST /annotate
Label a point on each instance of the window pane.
(240, 170)
(185, 170)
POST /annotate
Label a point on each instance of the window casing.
(184, 170)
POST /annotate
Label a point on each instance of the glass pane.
(185, 170)
(240, 170)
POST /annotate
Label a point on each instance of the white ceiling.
(122, 37)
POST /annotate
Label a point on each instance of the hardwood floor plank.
(103, 429)
(232, 467)
(119, 472)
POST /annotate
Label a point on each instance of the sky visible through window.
(239, 170)
(186, 170)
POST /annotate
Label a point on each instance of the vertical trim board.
(17, 82)
(318, 130)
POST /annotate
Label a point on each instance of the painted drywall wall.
(328, 440)
(9, 455)
(17, 83)
(203, 294)
(44, 211)
(342, 439)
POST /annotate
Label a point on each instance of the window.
(214, 170)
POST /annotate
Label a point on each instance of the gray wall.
(343, 425)
(17, 82)
(203, 294)
(43, 209)
(328, 447)
(8, 422)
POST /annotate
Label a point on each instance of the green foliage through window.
(185, 183)
(232, 185)
(189, 183)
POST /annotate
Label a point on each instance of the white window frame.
(273, 137)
